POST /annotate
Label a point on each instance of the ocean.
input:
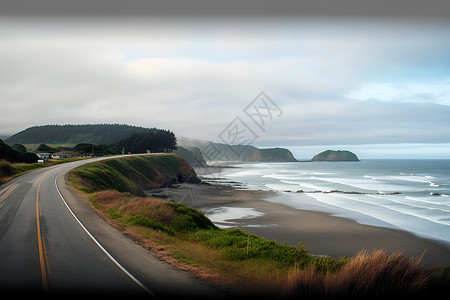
(411, 195)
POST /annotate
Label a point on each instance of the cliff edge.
(270, 154)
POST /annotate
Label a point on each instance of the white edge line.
(101, 247)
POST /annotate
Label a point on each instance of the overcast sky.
(334, 81)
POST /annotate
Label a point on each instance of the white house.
(43, 155)
(59, 155)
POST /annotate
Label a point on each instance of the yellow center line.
(41, 245)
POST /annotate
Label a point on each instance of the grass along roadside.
(179, 233)
(9, 170)
(246, 263)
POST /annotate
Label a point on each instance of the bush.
(151, 223)
(192, 218)
(46, 148)
(6, 169)
(184, 223)
(114, 213)
(27, 157)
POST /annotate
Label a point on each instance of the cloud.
(335, 82)
(358, 122)
(430, 92)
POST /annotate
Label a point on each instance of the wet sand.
(323, 233)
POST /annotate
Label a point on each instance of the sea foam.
(422, 205)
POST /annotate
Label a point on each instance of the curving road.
(51, 242)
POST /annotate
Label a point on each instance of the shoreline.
(323, 233)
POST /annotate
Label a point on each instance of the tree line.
(138, 140)
(152, 140)
(74, 134)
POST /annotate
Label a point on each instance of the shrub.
(27, 157)
(193, 218)
(151, 223)
(114, 213)
(184, 223)
(6, 169)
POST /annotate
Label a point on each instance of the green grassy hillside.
(132, 174)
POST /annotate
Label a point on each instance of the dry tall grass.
(110, 197)
(151, 208)
(367, 274)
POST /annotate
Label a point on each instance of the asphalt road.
(52, 242)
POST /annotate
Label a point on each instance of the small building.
(43, 155)
(60, 155)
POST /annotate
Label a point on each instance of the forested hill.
(75, 134)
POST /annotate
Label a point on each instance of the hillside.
(223, 152)
(335, 155)
(16, 153)
(75, 134)
(113, 138)
(192, 155)
(270, 154)
(133, 174)
(250, 153)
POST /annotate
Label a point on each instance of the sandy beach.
(322, 233)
